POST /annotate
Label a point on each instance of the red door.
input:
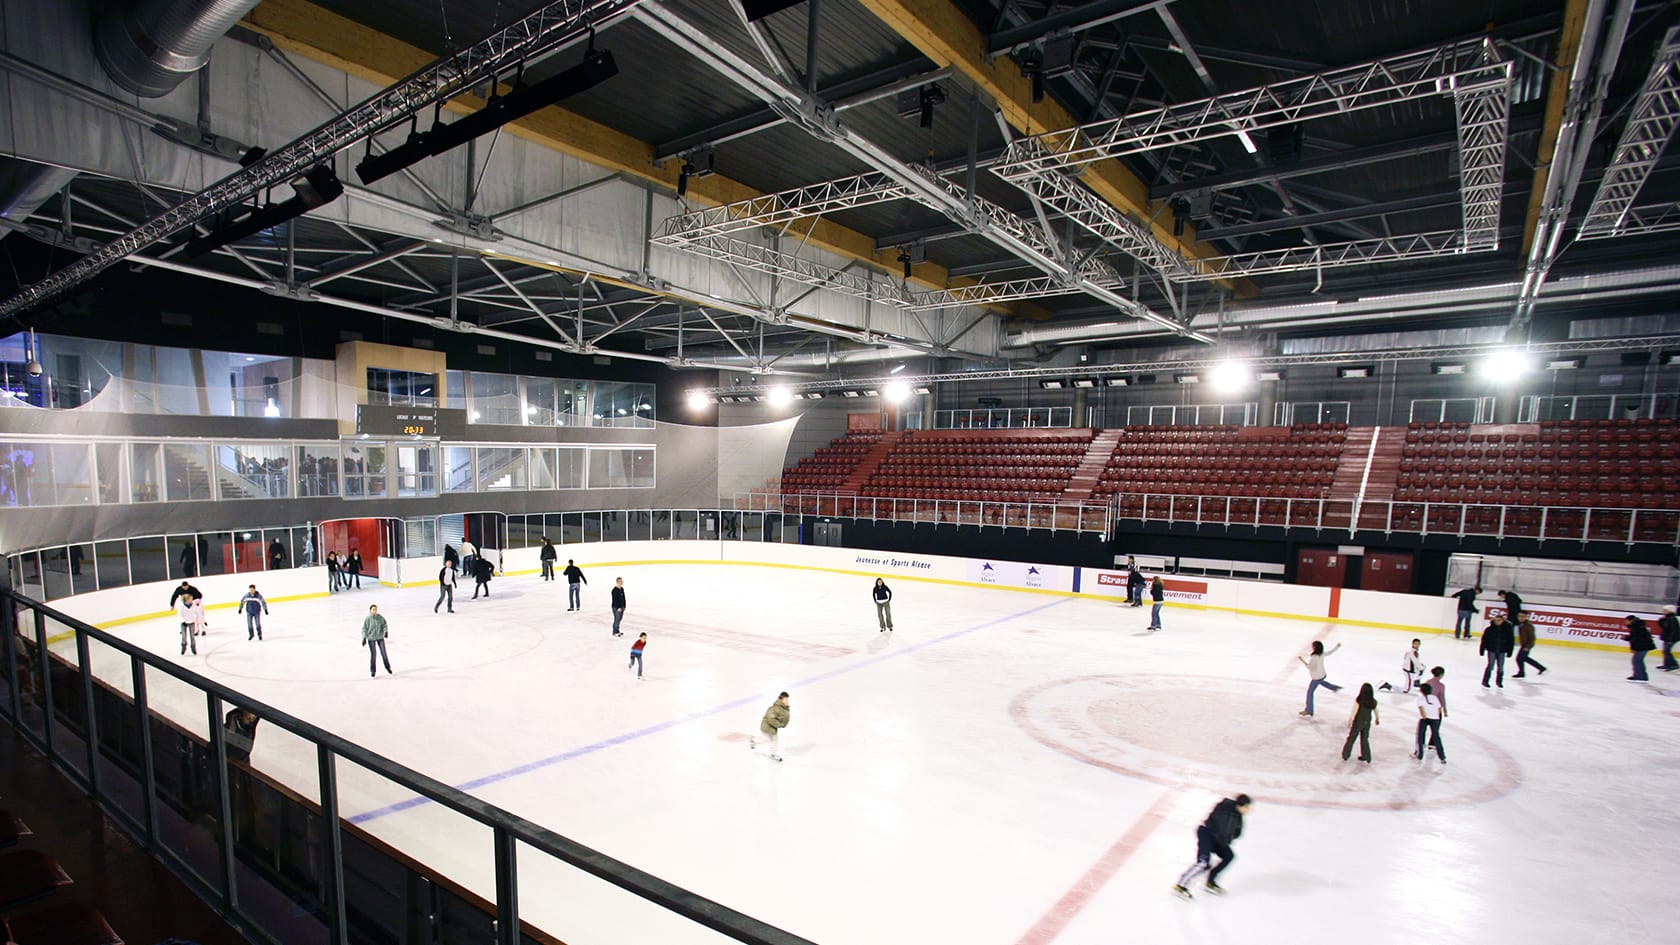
(1320, 567)
(1387, 571)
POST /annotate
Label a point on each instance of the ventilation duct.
(150, 46)
(25, 185)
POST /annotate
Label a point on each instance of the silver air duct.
(150, 46)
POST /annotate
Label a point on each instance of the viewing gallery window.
(406, 388)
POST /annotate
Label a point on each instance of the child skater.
(1315, 669)
(636, 654)
(1359, 724)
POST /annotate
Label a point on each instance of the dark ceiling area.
(1367, 181)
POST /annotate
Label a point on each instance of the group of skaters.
(188, 603)
(1137, 583)
(1639, 638)
(344, 571)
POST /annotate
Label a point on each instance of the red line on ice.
(1086, 888)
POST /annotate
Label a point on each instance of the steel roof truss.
(1649, 127)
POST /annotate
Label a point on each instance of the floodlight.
(1085, 382)
(1052, 383)
(851, 393)
(897, 392)
(1447, 367)
(871, 392)
(1229, 376)
(1188, 378)
(1564, 364)
(697, 400)
(1505, 363)
(1270, 374)
(1354, 371)
(780, 396)
(1118, 380)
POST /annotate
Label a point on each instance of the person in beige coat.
(775, 719)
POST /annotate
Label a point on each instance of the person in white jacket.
(1412, 666)
(184, 610)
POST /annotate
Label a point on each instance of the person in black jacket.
(1497, 641)
(239, 729)
(574, 577)
(1134, 584)
(1513, 606)
(446, 589)
(547, 556)
(184, 590)
(1639, 641)
(617, 605)
(353, 570)
(1466, 612)
(1223, 825)
(1670, 628)
(883, 604)
(482, 572)
(451, 557)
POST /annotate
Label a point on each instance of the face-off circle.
(1241, 735)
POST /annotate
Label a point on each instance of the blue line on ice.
(581, 751)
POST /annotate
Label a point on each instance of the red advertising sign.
(1570, 623)
(1177, 588)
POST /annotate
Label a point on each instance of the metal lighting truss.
(773, 262)
(1649, 128)
(547, 28)
(1329, 255)
(1471, 72)
(817, 117)
(780, 209)
(1037, 287)
(1644, 221)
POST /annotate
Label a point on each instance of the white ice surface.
(1005, 767)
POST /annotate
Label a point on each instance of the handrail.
(507, 826)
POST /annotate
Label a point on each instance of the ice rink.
(1005, 767)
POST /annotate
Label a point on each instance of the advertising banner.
(1577, 624)
(1184, 590)
(1018, 574)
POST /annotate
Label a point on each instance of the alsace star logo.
(986, 567)
(1031, 570)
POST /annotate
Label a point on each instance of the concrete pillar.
(1266, 407)
(1505, 405)
(1081, 399)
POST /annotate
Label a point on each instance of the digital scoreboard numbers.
(409, 420)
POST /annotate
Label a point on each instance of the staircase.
(1090, 468)
(1343, 502)
(188, 479)
(1382, 477)
(871, 461)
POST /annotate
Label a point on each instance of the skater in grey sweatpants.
(883, 604)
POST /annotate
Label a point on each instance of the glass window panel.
(517, 532)
(253, 470)
(416, 469)
(108, 468)
(729, 526)
(641, 526)
(571, 530)
(553, 526)
(186, 471)
(495, 398)
(752, 526)
(543, 467)
(55, 571)
(458, 469)
(149, 559)
(183, 556)
(317, 469)
(17, 474)
(455, 390)
(283, 557)
(1459, 410)
(261, 385)
(772, 526)
(615, 526)
(387, 386)
(364, 470)
(540, 396)
(216, 553)
(110, 562)
(641, 468)
(501, 468)
(687, 524)
(28, 575)
(571, 463)
(592, 526)
(571, 407)
(304, 543)
(176, 393)
(82, 565)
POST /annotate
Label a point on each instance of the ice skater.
(1525, 645)
(1158, 594)
(547, 556)
(482, 572)
(1134, 583)
(201, 624)
(1429, 723)
(574, 580)
(184, 588)
(883, 604)
(636, 654)
(253, 606)
(1497, 640)
(446, 588)
(775, 719)
(1411, 664)
(332, 572)
(373, 637)
(1466, 612)
(1513, 606)
(618, 605)
(1639, 641)
(1359, 724)
(1438, 679)
(353, 570)
(1224, 825)
(1315, 668)
(1670, 629)
(184, 610)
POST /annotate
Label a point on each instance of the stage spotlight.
(1230, 376)
(930, 96)
(597, 67)
(904, 259)
(318, 187)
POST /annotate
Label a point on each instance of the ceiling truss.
(1650, 126)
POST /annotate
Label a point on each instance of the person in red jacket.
(636, 654)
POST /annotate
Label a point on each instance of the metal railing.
(87, 707)
(1055, 516)
(1459, 519)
